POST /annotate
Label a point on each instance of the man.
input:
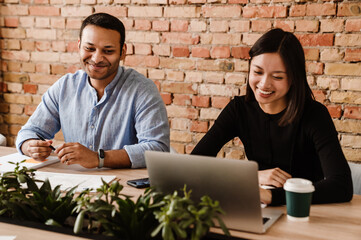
(109, 115)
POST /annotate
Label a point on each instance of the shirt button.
(92, 126)
(90, 146)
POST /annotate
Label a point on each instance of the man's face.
(100, 54)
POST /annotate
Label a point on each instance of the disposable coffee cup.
(298, 198)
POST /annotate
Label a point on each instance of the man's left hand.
(75, 153)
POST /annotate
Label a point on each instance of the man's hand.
(37, 149)
(75, 153)
(273, 177)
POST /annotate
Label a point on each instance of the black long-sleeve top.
(308, 148)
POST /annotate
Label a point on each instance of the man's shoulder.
(136, 79)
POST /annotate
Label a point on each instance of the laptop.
(234, 183)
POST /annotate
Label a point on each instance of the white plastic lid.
(299, 185)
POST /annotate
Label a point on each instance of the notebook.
(234, 183)
(6, 166)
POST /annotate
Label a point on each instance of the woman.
(281, 126)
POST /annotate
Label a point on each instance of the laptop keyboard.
(265, 219)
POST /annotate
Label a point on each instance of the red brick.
(167, 98)
(180, 51)
(311, 53)
(161, 25)
(353, 55)
(175, 75)
(198, 126)
(83, 11)
(27, 22)
(42, 67)
(320, 95)
(219, 26)
(142, 25)
(30, 88)
(348, 9)
(307, 26)
(161, 50)
(15, 55)
(142, 37)
(27, 45)
(334, 110)
(240, 52)
(57, 69)
(272, 11)
(322, 9)
(176, 87)
(249, 12)
(201, 101)
(197, 26)
(180, 38)
(220, 102)
(185, 64)
(117, 11)
(232, 11)
(73, 23)
(316, 39)
(314, 67)
(182, 12)
(239, 26)
(29, 109)
(182, 112)
(181, 99)
(332, 25)
(44, 11)
(237, 1)
(13, 33)
(261, 25)
(72, 46)
(144, 11)
(353, 25)
(288, 26)
(142, 49)
(14, 9)
(298, 10)
(220, 52)
(57, 23)
(352, 112)
(11, 22)
(58, 46)
(3, 87)
(200, 52)
(151, 61)
(179, 26)
(42, 45)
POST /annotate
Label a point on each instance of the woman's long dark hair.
(290, 49)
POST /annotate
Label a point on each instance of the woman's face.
(269, 83)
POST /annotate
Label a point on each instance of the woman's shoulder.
(317, 117)
(314, 108)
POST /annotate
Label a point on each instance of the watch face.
(101, 153)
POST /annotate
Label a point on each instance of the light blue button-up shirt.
(131, 115)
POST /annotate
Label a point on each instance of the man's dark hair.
(290, 49)
(107, 21)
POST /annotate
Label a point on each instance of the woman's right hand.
(273, 177)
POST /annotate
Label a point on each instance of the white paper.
(7, 237)
(68, 181)
(5, 166)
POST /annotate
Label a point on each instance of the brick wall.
(195, 51)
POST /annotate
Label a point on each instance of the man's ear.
(79, 44)
(124, 52)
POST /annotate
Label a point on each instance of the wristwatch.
(101, 156)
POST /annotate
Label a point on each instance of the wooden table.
(327, 221)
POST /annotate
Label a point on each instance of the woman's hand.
(265, 195)
(273, 177)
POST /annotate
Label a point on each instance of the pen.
(43, 139)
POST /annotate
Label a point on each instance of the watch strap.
(101, 156)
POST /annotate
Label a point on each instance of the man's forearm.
(117, 159)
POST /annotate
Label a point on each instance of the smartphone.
(139, 183)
